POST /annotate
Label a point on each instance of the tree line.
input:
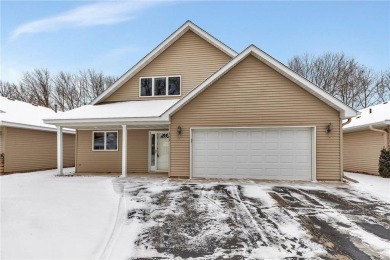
(66, 90)
(343, 77)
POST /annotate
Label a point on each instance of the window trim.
(166, 86)
(105, 144)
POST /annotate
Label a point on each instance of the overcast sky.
(112, 36)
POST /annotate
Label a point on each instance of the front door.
(159, 151)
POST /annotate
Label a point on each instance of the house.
(364, 138)
(26, 143)
(193, 107)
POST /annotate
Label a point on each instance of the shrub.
(384, 163)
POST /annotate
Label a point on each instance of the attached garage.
(257, 119)
(284, 153)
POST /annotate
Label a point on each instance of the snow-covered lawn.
(48, 217)
(376, 185)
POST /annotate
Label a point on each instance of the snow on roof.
(117, 110)
(14, 113)
(378, 115)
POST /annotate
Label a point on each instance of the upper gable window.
(160, 86)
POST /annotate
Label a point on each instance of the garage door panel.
(262, 153)
(212, 135)
(227, 134)
(257, 135)
(242, 135)
(257, 158)
(302, 134)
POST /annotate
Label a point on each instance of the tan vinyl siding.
(29, 150)
(190, 56)
(1, 140)
(253, 94)
(362, 150)
(89, 161)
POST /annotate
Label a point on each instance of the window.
(105, 141)
(160, 86)
(146, 87)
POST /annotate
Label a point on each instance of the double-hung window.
(160, 86)
(105, 141)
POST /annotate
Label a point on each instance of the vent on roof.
(370, 110)
(385, 102)
(1, 111)
(358, 117)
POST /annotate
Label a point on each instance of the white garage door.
(258, 153)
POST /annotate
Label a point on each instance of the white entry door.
(159, 150)
(256, 153)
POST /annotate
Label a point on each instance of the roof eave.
(33, 127)
(384, 123)
(107, 121)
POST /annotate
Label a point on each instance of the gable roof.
(378, 116)
(14, 113)
(345, 111)
(159, 49)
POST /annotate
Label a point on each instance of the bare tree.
(342, 77)
(67, 90)
(11, 90)
(382, 86)
(37, 86)
(66, 94)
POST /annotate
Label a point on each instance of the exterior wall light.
(179, 130)
(329, 128)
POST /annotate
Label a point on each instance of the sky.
(111, 36)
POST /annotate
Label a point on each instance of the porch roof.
(118, 113)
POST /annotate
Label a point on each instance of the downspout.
(384, 134)
(346, 123)
(342, 147)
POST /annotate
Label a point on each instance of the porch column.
(59, 151)
(124, 150)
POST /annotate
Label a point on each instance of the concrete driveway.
(256, 220)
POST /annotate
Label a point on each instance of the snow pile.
(48, 217)
(376, 185)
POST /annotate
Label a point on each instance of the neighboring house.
(193, 107)
(26, 143)
(364, 138)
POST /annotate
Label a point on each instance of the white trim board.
(158, 50)
(345, 111)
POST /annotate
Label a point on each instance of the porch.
(117, 138)
(125, 151)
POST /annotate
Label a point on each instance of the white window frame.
(166, 86)
(105, 143)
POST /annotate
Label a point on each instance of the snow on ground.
(48, 217)
(376, 185)
(193, 219)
